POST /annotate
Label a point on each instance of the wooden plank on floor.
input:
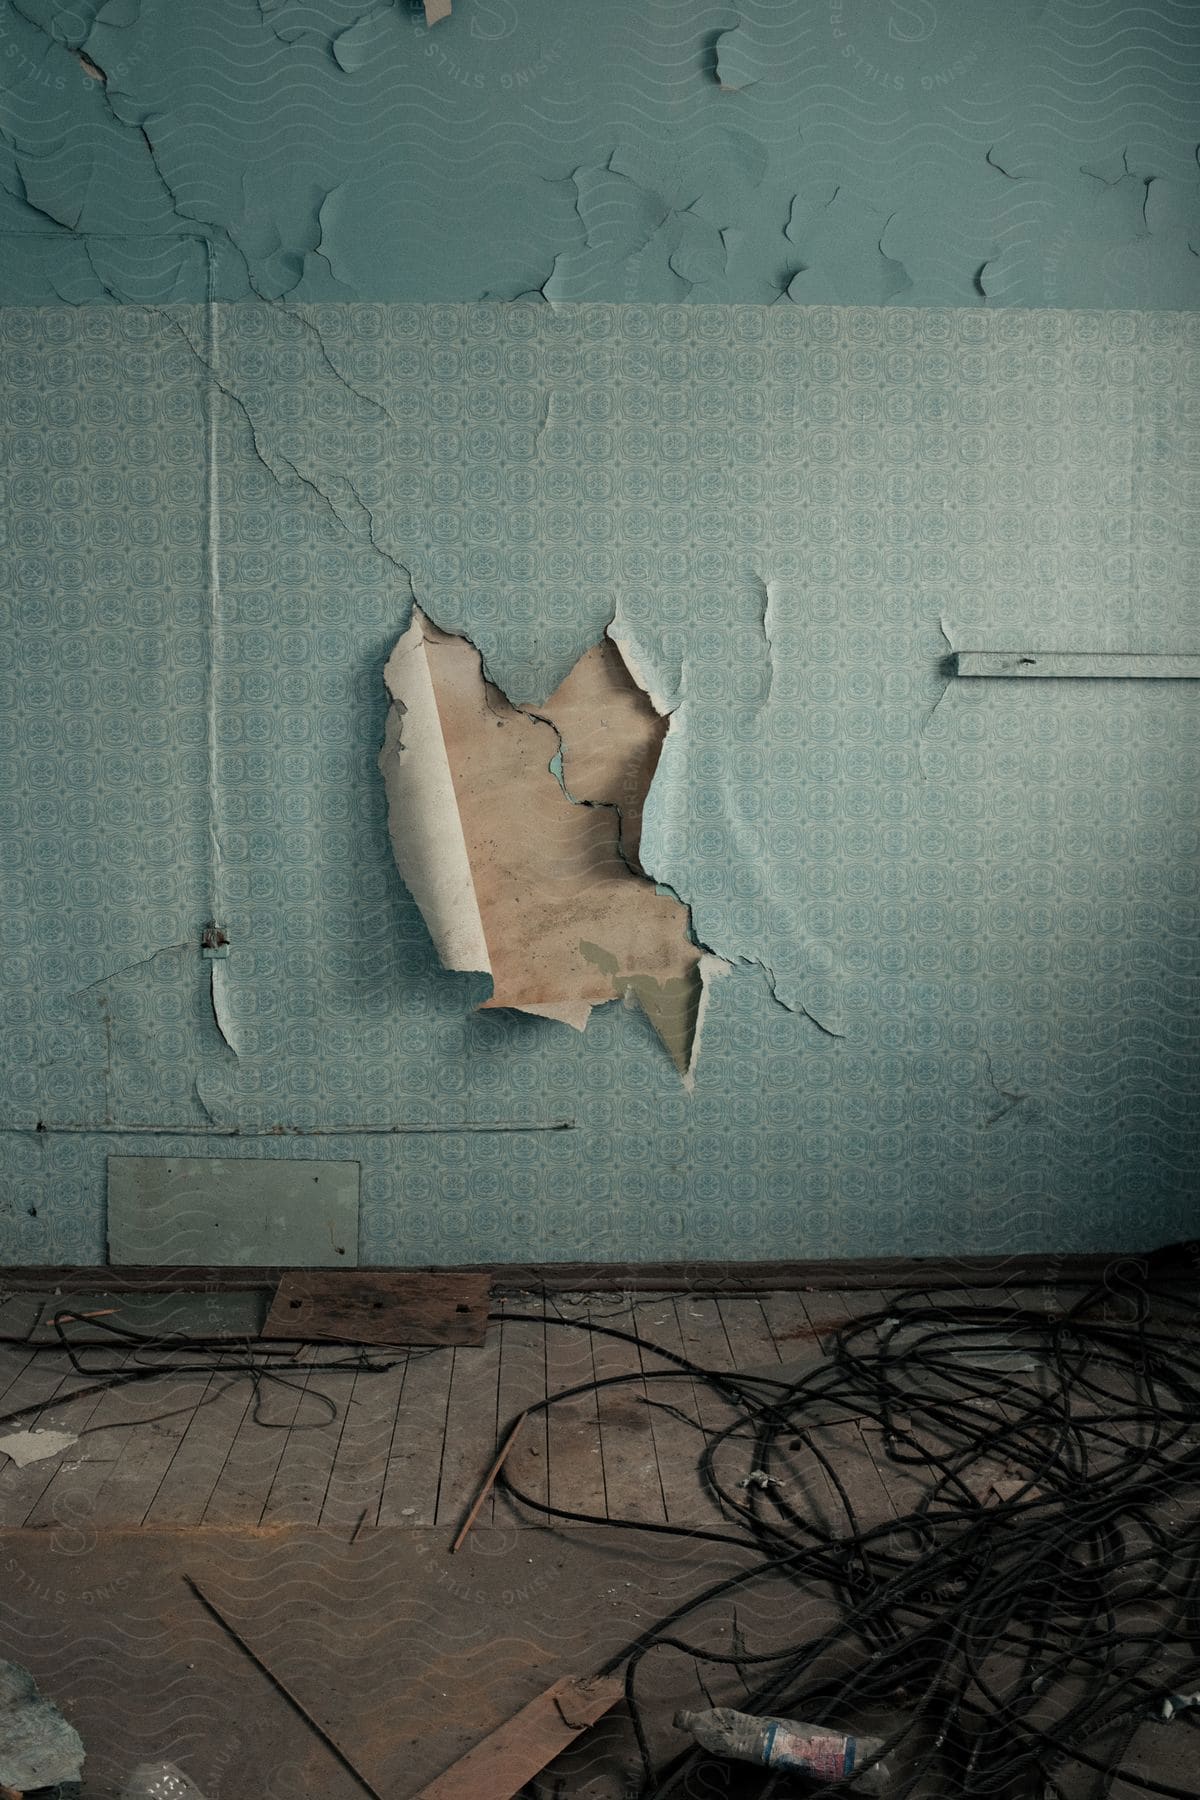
(834, 1309)
(13, 1363)
(523, 1383)
(907, 1485)
(196, 1467)
(414, 1468)
(791, 1328)
(576, 1472)
(705, 1344)
(511, 1755)
(632, 1486)
(47, 1377)
(807, 1488)
(356, 1482)
(866, 1493)
(471, 1427)
(370, 1306)
(19, 1313)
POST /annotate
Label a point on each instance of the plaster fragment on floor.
(26, 1447)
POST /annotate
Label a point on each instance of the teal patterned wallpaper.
(785, 389)
(962, 914)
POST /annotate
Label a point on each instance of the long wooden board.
(501, 1763)
(361, 1306)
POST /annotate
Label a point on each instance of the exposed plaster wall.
(976, 907)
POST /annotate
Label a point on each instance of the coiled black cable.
(1018, 1645)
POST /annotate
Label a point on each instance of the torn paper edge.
(574, 1013)
(429, 843)
(423, 818)
(662, 706)
(712, 969)
(220, 997)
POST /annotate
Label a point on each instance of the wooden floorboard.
(22, 1489)
(792, 1331)
(134, 1476)
(521, 1384)
(413, 1474)
(19, 1313)
(751, 1341)
(13, 1363)
(470, 1430)
(704, 1341)
(355, 1488)
(69, 1498)
(46, 1379)
(240, 1493)
(628, 1453)
(407, 1446)
(864, 1489)
(575, 1472)
(674, 1415)
(832, 1309)
(302, 1477)
(203, 1450)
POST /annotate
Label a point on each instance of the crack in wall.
(1011, 1098)
(946, 668)
(104, 1005)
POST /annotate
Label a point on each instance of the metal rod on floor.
(257, 1660)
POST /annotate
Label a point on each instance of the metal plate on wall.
(168, 1210)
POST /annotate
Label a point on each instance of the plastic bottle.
(786, 1744)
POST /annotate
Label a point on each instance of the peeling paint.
(129, 122)
(841, 238)
(738, 62)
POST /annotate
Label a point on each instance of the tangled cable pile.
(1020, 1639)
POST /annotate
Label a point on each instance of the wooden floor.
(346, 1450)
(320, 1507)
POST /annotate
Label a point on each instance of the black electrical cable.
(240, 1359)
(1015, 1645)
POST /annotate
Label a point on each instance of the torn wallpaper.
(516, 873)
(960, 916)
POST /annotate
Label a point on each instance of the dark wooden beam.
(700, 1277)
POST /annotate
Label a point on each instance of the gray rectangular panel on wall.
(167, 1210)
